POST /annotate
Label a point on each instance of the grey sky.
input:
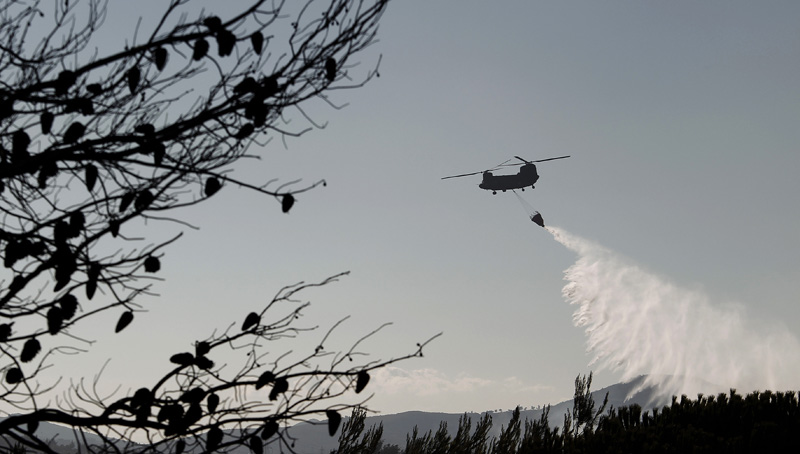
(681, 118)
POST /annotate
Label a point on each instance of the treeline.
(755, 423)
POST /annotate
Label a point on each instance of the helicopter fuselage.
(527, 176)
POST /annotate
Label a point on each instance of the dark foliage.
(759, 422)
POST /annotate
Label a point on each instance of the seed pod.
(270, 428)
(93, 275)
(330, 69)
(269, 86)
(212, 401)
(94, 89)
(134, 76)
(65, 80)
(334, 419)
(5, 331)
(287, 202)
(194, 395)
(126, 200)
(213, 438)
(225, 43)
(19, 145)
(29, 350)
(146, 129)
(14, 376)
(143, 200)
(69, 305)
(213, 23)
(158, 152)
(47, 170)
(257, 40)
(361, 381)
(46, 119)
(250, 321)
(90, 174)
(212, 186)
(202, 348)
(200, 49)
(74, 132)
(245, 131)
(54, 320)
(265, 378)
(113, 227)
(182, 359)
(281, 386)
(65, 266)
(77, 220)
(141, 397)
(124, 320)
(248, 85)
(203, 363)
(161, 58)
(152, 264)
(256, 445)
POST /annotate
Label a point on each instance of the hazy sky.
(681, 118)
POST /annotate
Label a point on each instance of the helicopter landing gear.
(523, 189)
(504, 190)
(532, 187)
(494, 192)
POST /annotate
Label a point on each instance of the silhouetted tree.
(94, 145)
(351, 440)
(509, 440)
(584, 415)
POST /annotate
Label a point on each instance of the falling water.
(638, 323)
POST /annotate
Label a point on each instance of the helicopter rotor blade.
(463, 175)
(523, 160)
(551, 159)
(517, 164)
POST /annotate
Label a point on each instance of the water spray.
(638, 323)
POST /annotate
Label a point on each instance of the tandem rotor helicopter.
(526, 176)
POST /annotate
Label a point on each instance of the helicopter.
(526, 176)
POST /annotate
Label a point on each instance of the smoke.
(638, 323)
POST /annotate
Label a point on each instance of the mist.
(639, 323)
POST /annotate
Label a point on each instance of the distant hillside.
(314, 439)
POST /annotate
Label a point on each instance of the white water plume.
(641, 324)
